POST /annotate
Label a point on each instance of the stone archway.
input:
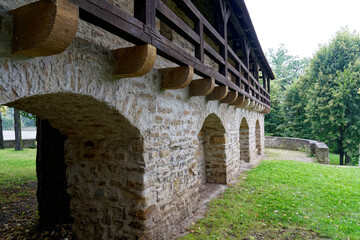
(244, 141)
(105, 167)
(212, 158)
(258, 138)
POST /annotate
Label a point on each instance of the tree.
(287, 69)
(295, 102)
(17, 128)
(334, 105)
(2, 111)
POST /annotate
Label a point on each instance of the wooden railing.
(141, 28)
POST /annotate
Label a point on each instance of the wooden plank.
(213, 54)
(202, 87)
(44, 28)
(133, 61)
(230, 97)
(176, 78)
(111, 18)
(173, 21)
(189, 8)
(233, 70)
(218, 93)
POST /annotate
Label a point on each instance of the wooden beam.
(239, 100)
(176, 78)
(202, 87)
(219, 93)
(133, 61)
(244, 104)
(44, 28)
(230, 98)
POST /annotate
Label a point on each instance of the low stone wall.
(26, 143)
(319, 149)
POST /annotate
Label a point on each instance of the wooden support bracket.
(176, 78)
(260, 108)
(230, 98)
(266, 110)
(251, 105)
(219, 93)
(244, 104)
(44, 28)
(202, 87)
(133, 61)
(239, 100)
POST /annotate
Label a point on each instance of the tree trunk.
(53, 200)
(347, 159)
(341, 157)
(340, 146)
(17, 127)
(2, 146)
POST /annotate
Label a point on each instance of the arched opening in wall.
(258, 137)
(102, 153)
(244, 141)
(211, 152)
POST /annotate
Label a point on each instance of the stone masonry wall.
(27, 143)
(136, 155)
(319, 149)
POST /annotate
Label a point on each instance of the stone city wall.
(27, 143)
(319, 149)
(136, 155)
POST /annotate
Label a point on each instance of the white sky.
(301, 24)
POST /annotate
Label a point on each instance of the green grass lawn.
(334, 159)
(17, 167)
(286, 200)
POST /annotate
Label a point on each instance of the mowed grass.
(334, 159)
(17, 167)
(286, 200)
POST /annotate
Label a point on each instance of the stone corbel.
(133, 61)
(44, 28)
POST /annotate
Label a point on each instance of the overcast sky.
(301, 24)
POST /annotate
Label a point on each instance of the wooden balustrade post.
(199, 49)
(145, 11)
